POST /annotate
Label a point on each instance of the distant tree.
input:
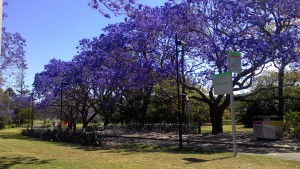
(12, 53)
(6, 108)
(20, 85)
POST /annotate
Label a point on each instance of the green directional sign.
(234, 62)
(222, 83)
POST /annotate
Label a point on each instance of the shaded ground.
(283, 148)
(118, 151)
(7, 162)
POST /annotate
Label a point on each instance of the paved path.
(284, 148)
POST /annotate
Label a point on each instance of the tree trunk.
(146, 102)
(84, 124)
(74, 125)
(86, 120)
(121, 110)
(106, 121)
(216, 120)
(70, 125)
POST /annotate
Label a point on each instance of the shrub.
(291, 123)
(4, 120)
(13, 125)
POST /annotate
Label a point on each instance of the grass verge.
(18, 152)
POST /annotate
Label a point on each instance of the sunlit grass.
(226, 128)
(21, 152)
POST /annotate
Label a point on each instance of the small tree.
(6, 113)
(292, 123)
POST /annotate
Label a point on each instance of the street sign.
(234, 62)
(222, 83)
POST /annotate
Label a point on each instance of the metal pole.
(32, 116)
(233, 122)
(189, 110)
(183, 80)
(28, 118)
(20, 117)
(178, 94)
(60, 118)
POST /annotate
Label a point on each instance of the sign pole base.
(233, 125)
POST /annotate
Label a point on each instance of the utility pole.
(178, 94)
(183, 96)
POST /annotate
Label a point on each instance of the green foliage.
(291, 123)
(265, 102)
(249, 110)
(22, 115)
(163, 106)
(4, 119)
(13, 125)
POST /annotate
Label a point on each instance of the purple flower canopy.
(140, 51)
(137, 54)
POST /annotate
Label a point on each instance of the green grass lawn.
(21, 152)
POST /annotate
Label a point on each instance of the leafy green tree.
(292, 123)
(163, 105)
(6, 114)
(263, 99)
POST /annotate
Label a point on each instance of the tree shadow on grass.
(124, 145)
(11, 136)
(6, 162)
(16, 136)
(129, 149)
(129, 145)
(194, 160)
(197, 160)
(146, 148)
(132, 145)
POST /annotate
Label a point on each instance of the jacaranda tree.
(130, 58)
(279, 26)
(210, 29)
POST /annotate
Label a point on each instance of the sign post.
(233, 125)
(223, 85)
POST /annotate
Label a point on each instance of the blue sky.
(53, 28)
